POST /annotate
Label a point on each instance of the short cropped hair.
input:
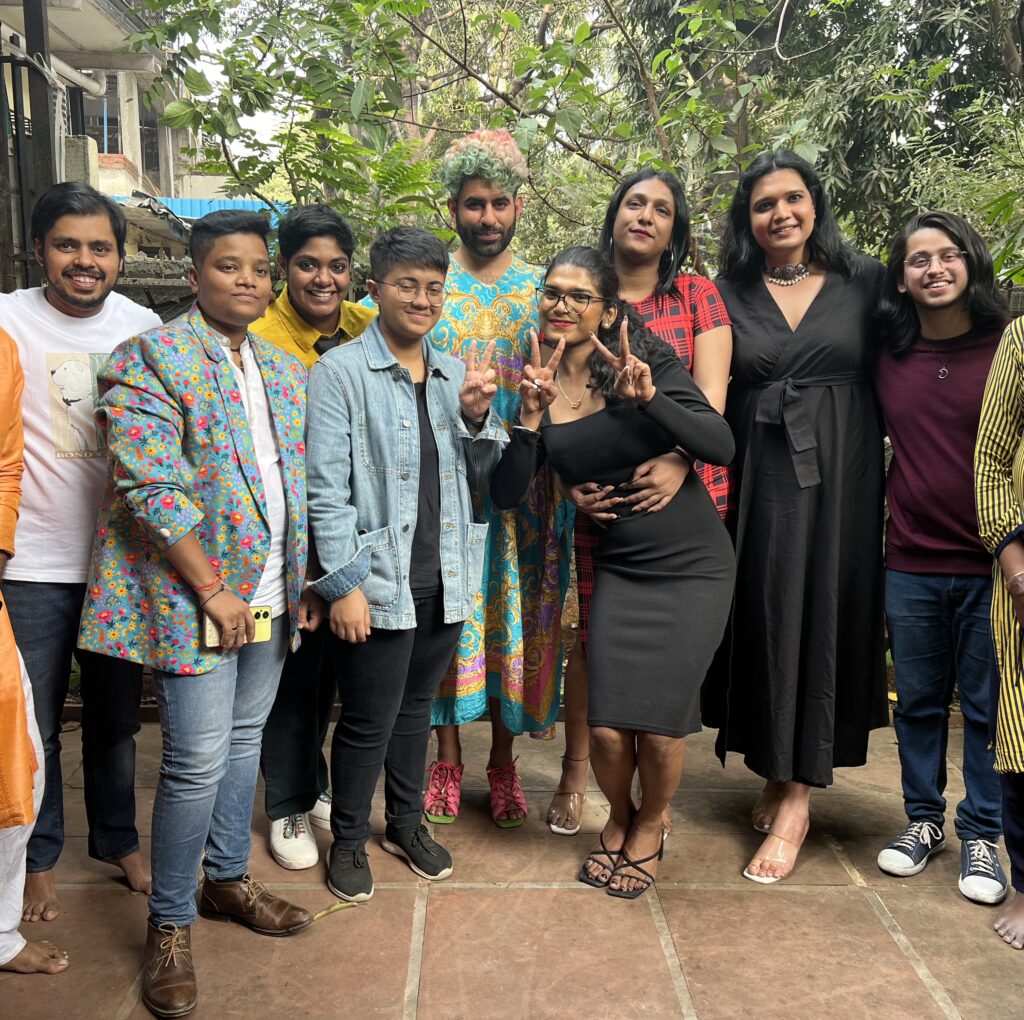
(492, 156)
(406, 246)
(308, 221)
(209, 228)
(73, 198)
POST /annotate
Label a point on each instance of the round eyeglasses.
(408, 290)
(920, 262)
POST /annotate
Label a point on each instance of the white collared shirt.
(273, 588)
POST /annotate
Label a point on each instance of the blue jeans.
(45, 618)
(940, 634)
(212, 728)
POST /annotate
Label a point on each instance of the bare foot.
(40, 902)
(767, 804)
(41, 957)
(599, 864)
(643, 841)
(136, 871)
(565, 812)
(666, 820)
(1010, 926)
(777, 855)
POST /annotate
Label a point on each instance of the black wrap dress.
(800, 679)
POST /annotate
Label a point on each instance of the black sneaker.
(428, 859)
(982, 878)
(908, 853)
(348, 875)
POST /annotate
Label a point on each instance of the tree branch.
(509, 101)
(648, 85)
(229, 160)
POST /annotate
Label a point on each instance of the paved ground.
(511, 934)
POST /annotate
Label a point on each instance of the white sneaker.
(982, 878)
(292, 844)
(320, 813)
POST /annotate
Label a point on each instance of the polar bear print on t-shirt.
(73, 397)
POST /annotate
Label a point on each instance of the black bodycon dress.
(663, 582)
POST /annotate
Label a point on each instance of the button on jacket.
(362, 438)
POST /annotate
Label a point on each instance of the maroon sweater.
(932, 424)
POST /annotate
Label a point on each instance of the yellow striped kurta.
(999, 491)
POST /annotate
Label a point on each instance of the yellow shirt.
(285, 328)
(999, 494)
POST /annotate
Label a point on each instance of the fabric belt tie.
(781, 403)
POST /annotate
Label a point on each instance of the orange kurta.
(17, 756)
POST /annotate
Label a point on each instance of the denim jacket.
(363, 465)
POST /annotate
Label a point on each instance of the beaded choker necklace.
(786, 276)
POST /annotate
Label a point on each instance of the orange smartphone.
(261, 614)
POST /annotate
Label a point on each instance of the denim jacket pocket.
(476, 543)
(383, 584)
(379, 440)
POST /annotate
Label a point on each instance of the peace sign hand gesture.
(633, 379)
(537, 389)
(479, 387)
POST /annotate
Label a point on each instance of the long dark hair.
(742, 257)
(898, 323)
(673, 258)
(642, 342)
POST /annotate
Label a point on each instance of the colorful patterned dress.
(511, 646)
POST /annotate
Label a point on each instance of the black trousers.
(386, 686)
(1013, 825)
(292, 760)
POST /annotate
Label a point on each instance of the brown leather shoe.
(252, 904)
(168, 978)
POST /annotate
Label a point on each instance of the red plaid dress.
(697, 309)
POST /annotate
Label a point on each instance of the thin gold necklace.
(574, 404)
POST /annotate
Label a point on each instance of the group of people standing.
(272, 502)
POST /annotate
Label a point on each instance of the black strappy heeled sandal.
(594, 856)
(645, 876)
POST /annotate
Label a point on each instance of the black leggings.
(386, 686)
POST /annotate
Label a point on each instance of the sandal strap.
(506, 791)
(444, 787)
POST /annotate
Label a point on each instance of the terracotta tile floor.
(511, 934)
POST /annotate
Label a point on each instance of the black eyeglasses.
(408, 290)
(575, 301)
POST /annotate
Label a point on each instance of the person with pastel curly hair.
(488, 155)
(509, 659)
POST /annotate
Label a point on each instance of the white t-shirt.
(272, 590)
(65, 456)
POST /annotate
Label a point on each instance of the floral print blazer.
(181, 459)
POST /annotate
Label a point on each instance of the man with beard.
(509, 658)
(64, 331)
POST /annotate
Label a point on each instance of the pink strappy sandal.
(506, 795)
(444, 793)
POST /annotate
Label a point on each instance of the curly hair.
(642, 342)
(492, 156)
